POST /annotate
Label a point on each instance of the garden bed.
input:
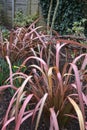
(49, 72)
(44, 124)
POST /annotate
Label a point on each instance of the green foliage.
(78, 28)
(23, 20)
(0, 13)
(0, 8)
(5, 32)
(15, 67)
(4, 71)
(68, 12)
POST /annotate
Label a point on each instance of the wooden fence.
(29, 7)
(9, 7)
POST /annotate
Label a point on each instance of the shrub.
(5, 32)
(53, 81)
(21, 20)
(21, 42)
(4, 71)
(78, 28)
(59, 82)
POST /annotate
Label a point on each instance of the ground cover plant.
(51, 79)
(22, 20)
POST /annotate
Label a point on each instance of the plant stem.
(48, 18)
(54, 16)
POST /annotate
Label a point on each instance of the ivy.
(69, 11)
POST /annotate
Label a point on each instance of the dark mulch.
(44, 124)
(4, 102)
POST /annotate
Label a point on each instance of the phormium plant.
(63, 85)
(53, 84)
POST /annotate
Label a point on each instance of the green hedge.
(69, 11)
